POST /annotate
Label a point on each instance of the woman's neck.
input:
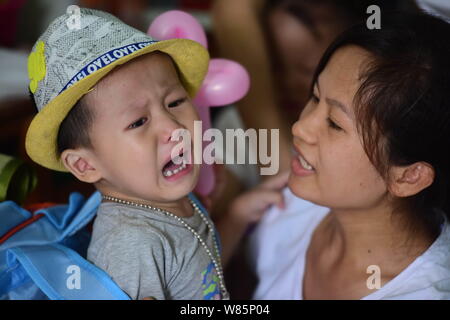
(371, 237)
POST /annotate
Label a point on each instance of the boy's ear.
(80, 163)
(410, 180)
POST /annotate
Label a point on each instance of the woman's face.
(297, 51)
(330, 167)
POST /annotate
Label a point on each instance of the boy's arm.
(248, 209)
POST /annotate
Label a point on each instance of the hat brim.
(190, 58)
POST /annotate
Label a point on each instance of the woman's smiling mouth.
(305, 163)
(300, 166)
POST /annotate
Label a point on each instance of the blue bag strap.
(62, 274)
(205, 212)
(11, 215)
(58, 222)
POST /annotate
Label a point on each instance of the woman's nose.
(307, 127)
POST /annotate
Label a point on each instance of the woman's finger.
(276, 182)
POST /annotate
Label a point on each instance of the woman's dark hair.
(74, 130)
(345, 12)
(402, 107)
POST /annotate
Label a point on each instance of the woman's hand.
(248, 208)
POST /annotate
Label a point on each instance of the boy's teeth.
(305, 164)
(168, 173)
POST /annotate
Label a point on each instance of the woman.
(369, 191)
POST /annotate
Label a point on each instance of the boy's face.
(136, 108)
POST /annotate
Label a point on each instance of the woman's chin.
(299, 188)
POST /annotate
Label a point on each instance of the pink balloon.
(177, 24)
(226, 82)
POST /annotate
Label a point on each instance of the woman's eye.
(333, 125)
(315, 98)
(138, 123)
(176, 103)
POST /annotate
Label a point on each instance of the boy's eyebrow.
(336, 103)
(130, 107)
(137, 105)
(173, 86)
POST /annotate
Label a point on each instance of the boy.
(109, 98)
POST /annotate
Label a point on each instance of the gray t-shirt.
(150, 254)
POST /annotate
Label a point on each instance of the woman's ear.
(409, 180)
(80, 163)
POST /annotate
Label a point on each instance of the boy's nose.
(168, 124)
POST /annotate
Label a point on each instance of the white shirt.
(440, 8)
(279, 243)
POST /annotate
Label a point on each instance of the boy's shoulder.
(120, 234)
(120, 227)
(128, 224)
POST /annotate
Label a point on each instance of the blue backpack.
(42, 254)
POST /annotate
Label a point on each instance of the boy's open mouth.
(171, 168)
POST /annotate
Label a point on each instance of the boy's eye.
(333, 125)
(138, 123)
(176, 103)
